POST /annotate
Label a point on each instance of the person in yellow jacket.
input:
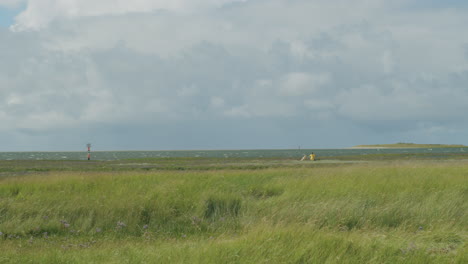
(312, 157)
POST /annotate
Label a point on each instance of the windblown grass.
(413, 212)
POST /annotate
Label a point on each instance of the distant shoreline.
(407, 146)
(358, 147)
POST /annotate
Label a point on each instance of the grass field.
(373, 209)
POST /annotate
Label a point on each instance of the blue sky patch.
(7, 16)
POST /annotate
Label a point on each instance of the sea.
(256, 153)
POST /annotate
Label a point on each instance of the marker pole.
(89, 151)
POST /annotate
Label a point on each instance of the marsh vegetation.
(378, 210)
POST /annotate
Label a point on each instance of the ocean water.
(280, 153)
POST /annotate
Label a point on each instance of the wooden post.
(89, 150)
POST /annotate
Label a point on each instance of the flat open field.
(365, 209)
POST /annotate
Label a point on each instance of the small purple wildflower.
(120, 225)
(65, 223)
(145, 227)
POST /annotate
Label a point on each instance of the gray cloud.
(250, 74)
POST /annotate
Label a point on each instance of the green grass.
(240, 211)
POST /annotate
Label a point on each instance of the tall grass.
(367, 213)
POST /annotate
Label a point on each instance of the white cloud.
(217, 102)
(238, 111)
(39, 13)
(14, 99)
(188, 91)
(301, 83)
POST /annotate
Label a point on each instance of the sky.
(231, 74)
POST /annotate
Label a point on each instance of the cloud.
(388, 62)
(39, 13)
(301, 83)
(466, 52)
(217, 102)
(277, 64)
